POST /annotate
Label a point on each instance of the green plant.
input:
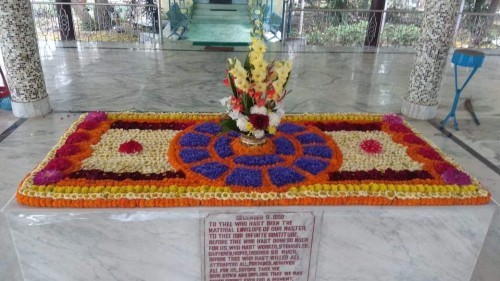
(343, 35)
(400, 34)
(354, 35)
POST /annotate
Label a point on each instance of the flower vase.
(252, 140)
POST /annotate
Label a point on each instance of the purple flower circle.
(245, 177)
(212, 170)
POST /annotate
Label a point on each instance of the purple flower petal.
(190, 155)
(283, 146)
(290, 128)
(245, 177)
(259, 160)
(47, 176)
(209, 128)
(311, 165)
(318, 150)
(310, 138)
(454, 176)
(393, 119)
(193, 139)
(223, 147)
(212, 170)
(96, 116)
(284, 175)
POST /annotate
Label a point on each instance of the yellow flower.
(260, 64)
(278, 87)
(283, 74)
(242, 84)
(258, 77)
(255, 57)
(249, 126)
(260, 87)
(258, 45)
(272, 130)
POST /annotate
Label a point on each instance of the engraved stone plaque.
(273, 246)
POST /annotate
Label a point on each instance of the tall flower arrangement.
(258, 88)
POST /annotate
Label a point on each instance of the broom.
(470, 109)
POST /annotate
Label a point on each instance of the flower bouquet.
(255, 107)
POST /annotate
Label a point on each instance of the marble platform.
(355, 243)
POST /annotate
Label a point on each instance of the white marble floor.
(191, 80)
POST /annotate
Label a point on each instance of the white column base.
(31, 109)
(417, 111)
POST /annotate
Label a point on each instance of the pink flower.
(59, 164)
(89, 125)
(429, 153)
(393, 119)
(454, 176)
(399, 128)
(97, 116)
(440, 168)
(411, 138)
(47, 176)
(77, 137)
(67, 150)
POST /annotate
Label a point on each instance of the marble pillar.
(22, 61)
(432, 49)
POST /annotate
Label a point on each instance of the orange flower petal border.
(440, 180)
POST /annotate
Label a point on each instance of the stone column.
(22, 61)
(432, 49)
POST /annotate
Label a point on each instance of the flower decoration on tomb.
(181, 159)
(258, 88)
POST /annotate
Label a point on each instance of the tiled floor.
(190, 80)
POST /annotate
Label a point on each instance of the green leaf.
(228, 125)
(233, 86)
(288, 77)
(247, 64)
(247, 103)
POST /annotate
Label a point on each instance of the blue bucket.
(5, 103)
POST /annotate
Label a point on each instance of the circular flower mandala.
(296, 154)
